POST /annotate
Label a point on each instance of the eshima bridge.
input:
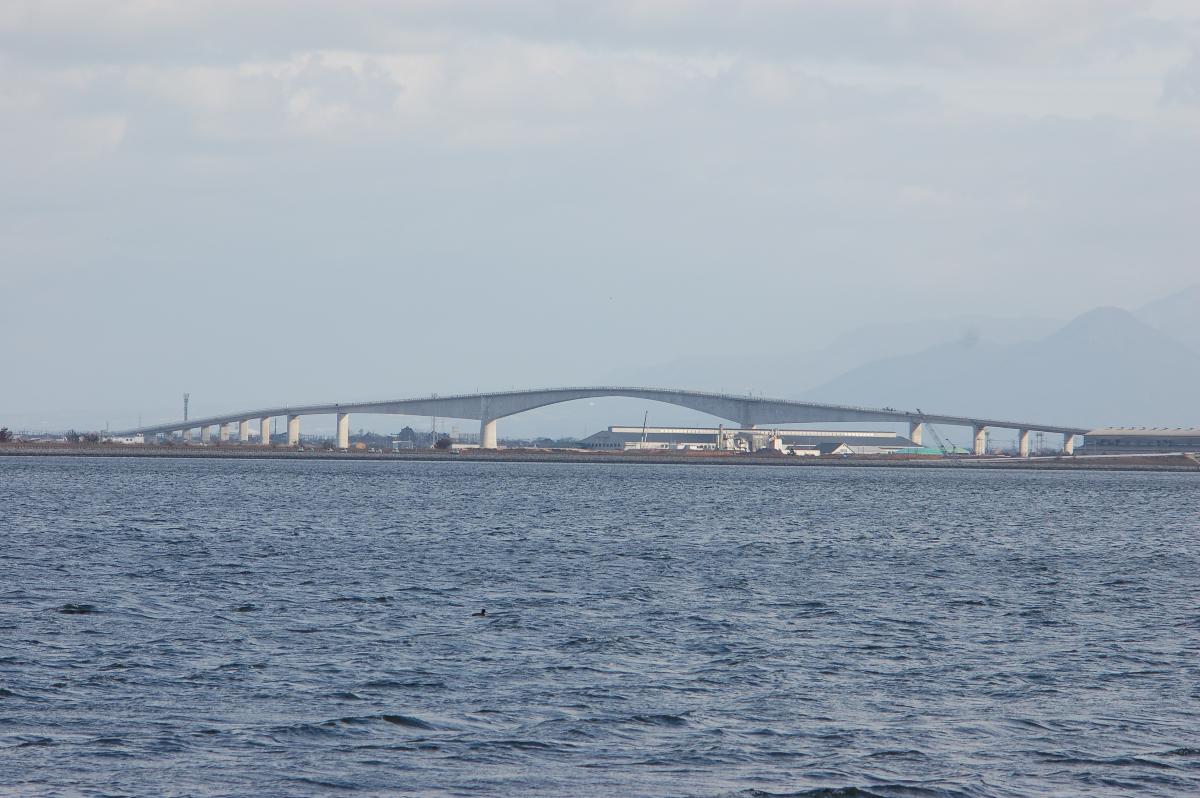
(487, 408)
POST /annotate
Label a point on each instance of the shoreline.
(1168, 463)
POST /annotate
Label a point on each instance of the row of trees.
(6, 436)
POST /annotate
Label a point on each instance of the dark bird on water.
(479, 614)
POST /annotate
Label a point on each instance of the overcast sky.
(273, 202)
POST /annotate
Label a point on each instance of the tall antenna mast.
(186, 397)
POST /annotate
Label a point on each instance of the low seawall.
(1175, 463)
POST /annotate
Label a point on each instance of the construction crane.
(933, 431)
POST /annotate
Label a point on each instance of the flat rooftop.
(814, 433)
(1155, 431)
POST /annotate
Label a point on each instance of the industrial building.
(1141, 440)
(798, 442)
(127, 439)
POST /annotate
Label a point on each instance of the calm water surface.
(304, 628)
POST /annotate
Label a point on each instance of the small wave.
(1181, 752)
(876, 791)
(33, 742)
(911, 753)
(521, 745)
(306, 730)
(327, 784)
(618, 644)
(660, 720)
(1112, 761)
(77, 609)
(578, 668)
(407, 721)
(819, 792)
(903, 621)
(401, 684)
(239, 666)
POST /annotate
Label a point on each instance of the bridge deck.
(500, 404)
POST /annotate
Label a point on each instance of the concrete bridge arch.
(488, 408)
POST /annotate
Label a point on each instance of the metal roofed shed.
(1141, 440)
(618, 438)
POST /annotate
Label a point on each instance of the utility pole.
(186, 397)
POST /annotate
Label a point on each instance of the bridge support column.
(747, 419)
(487, 433)
(343, 430)
(293, 430)
(980, 439)
(205, 434)
(223, 432)
(1023, 442)
(186, 434)
(1068, 443)
(243, 431)
(916, 431)
(264, 428)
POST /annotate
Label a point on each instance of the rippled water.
(305, 628)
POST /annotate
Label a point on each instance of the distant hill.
(1104, 367)
(1108, 366)
(791, 371)
(1177, 315)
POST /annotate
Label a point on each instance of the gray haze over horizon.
(268, 203)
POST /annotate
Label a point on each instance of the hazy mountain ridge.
(1103, 367)
(1177, 315)
(1106, 366)
(786, 373)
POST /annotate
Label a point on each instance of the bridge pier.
(244, 430)
(980, 439)
(264, 430)
(343, 430)
(916, 431)
(1068, 443)
(186, 434)
(205, 434)
(293, 430)
(746, 418)
(223, 432)
(1023, 442)
(487, 433)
